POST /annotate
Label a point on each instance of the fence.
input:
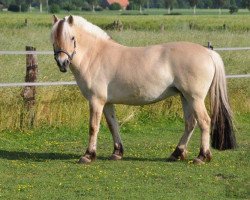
(61, 83)
(28, 112)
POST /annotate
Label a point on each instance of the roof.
(123, 3)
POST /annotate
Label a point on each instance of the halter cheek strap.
(70, 56)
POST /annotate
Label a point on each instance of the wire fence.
(64, 83)
(51, 52)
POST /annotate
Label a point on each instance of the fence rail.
(232, 48)
(51, 52)
(26, 52)
(61, 83)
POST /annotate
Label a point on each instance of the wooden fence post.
(28, 93)
(209, 45)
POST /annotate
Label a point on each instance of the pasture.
(40, 163)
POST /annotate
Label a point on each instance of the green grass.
(41, 164)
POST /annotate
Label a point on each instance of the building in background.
(123, 3)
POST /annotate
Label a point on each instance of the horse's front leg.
(109, 113)
(96, 108)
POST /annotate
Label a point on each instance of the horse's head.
(64, 42)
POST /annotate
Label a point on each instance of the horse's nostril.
(66, 63)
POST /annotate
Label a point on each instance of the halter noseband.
(70, 56)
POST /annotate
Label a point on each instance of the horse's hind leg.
(180, 151)
(109, 113)
(203, 120)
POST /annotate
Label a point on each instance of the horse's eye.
(73, 38)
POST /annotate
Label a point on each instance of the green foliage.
(54, 8)
(86, 7)
(193, 2)
(168, 3)
(233, 9)
(24, 7)
(98, 8)
(115, 6)
(68, 7)
(246, 4)
(14, 8)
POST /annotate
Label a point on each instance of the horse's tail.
(222, 131)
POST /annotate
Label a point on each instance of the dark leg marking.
(87, 158)
(202, 157)
(118, 152)
(177, 154)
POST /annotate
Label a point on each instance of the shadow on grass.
(41, 157)
(144, 159)
(38, 157)
(136, 159)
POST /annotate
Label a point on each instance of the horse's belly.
(140, 96)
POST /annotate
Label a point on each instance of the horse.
(109, 73)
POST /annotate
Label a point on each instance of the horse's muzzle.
(63, 65)
(63, 69)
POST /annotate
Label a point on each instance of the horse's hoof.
(183, 156)
(115, 157)
(198, 161)
(172, 159)
(84, 160)
(178, 154)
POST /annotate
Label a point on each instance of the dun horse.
(109, 73)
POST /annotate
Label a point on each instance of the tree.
(24, 7)
(220, 4)
(141, 3)
(28, 3)
(232, 3)
(41, 6)
(54, 8)
(93, 3)
(19, 3)
(233, 9)
(246, 4)
(45, 2)
(182, 3)
(208, 4)
(115, 6)
(77, 3)
(13, 8)
(193, 4)
(168, 4)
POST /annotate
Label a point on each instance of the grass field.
(40, 163)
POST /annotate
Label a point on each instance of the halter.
(70, 56)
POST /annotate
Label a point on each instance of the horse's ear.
(55, 19)
(70, 20)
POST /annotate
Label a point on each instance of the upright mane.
(81, 23)
(89, 27)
